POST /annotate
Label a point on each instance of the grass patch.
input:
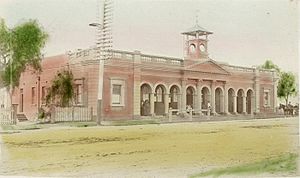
(76, 124)
(134, 122)
(145, 150)
(21, 127)
(35, 126)
(286, 163)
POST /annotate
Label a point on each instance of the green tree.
(61, 91)
(20, 47)
(286, 86)
(270, 65)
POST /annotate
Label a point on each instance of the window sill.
(117, 105)
(79, 104)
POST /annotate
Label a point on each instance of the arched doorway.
(239, 101)
(249, 101)
(159, 104)
(230, 100)
(190, 96)
(145, 99)
(174, 97)
(219, 100)
(205, 98)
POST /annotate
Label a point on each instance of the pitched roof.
(209, 66)
(197, 29)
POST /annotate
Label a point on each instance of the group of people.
(289, 109)
(145, 107)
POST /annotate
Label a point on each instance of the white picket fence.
(5, 117)
(69, 114)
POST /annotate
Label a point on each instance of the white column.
(225, 101)
(244, 104)
(136, 85)
(275, 84)
(152, 104)
(222, 103)
(183, 96)
(257, 91)
(252, 105)
(234, 104)
(166, 103)
(213, 99)
(179, 103)
(199, 98)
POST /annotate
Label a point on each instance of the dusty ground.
(167, 150)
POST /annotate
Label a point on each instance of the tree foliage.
(286, 86)
(61, 91)
(270, 65)
(20, 47)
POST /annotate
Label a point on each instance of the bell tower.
(196, 40)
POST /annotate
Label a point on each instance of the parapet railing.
(247, 69)
(126, 55)
(161, 59)
(118, 54)
(266, 70)
(146, 58)
(240, 68)
(81, 53)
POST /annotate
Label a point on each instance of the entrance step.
(21, 117)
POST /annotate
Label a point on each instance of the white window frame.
(122, 97)
(79, 95)
(33, 95)
(44, 94)
(268, 104)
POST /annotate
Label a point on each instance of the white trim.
(122, 97)
(160, 83)
(237, 91)
(208, 87)
(269, 98)
(147, 83)
(174, 84)
(191, 85)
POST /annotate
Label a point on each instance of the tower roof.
(197, 29)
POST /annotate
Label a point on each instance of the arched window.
(145, 92)
(159, 94)
(202, 47)
(174, 93)
(192, 48)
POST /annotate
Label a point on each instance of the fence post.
(170, 114)
(52, 114)
(191, 114)
(72, 113)
(91, 114)
(14, 117)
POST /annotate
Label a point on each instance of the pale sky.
(246, 33)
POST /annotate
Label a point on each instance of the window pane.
(43, 95)
(116, 89)
(33, 95)
(266, 98)
(116, 99)
(78, 94)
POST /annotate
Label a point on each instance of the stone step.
(21, 117)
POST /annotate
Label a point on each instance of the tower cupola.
(196, 40)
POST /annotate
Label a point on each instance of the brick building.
(137, 84)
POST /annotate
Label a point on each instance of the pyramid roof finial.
(197, 29)
(197, 17)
